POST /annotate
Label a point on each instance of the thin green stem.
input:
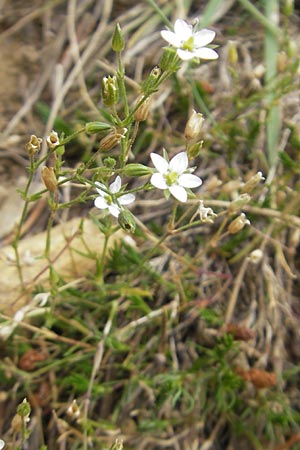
(101, 261)
(96, 365)
(22, 220)
(261, 18)
(271, 53)
(161, 14)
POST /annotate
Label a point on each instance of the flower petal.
(179, 193)
(159, 163)
(158, 181)
(179, 163)
(188, 180)
(171, 37)
(185, 55)
(115, 186)
(205, 53)
(101, 187)
(183, 30)
(100, 203)
(126, 199)
(114, 210)
(203, 37)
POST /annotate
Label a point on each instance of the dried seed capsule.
(52, 140)
(34, 145)
(238, 224)
(141, 113)
(49, 178)
(112, 139)
(193, 127)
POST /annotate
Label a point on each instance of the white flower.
(174, 176)
(2, 444)
(106, 198)
(190, 43)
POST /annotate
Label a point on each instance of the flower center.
(108, 199)
(171, 178)
(188, 44)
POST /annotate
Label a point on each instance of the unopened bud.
(24, 409)
(127, 221)
(282, 61)
(194, 150)
(169, 60)
(193, 127)
(49, 178)
(256, 256)
(96, 127)
(112, 139)
(137, 170)
(52, 140)
(253, 182)
(232, 53)
(141, 113)
(238, 224)
(34, 145)
(117, 42)
(109, 162)
(110, 90)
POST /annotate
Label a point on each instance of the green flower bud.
(194, 150)
(110, 90)
(24, 408)
(117, 40)
(127, 221)
(137, 170)
(169, 60)
(96, 127)
(109, 162)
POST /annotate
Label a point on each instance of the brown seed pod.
(239, 332)
(258, 377)
(29, 359)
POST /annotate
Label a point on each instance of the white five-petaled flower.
(174, 176)
(106, 198)
(190, 43)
